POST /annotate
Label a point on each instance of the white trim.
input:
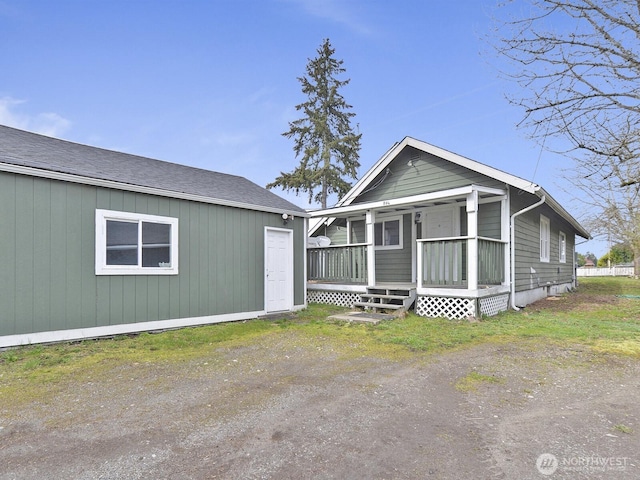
(96, 182)
(382, 219)
(304, 265)
(101, 267)
(396, 202)
(394, 151)
(93, 332)
(462, 293)
(334, 287)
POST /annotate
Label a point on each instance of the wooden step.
(387, 298)
(379, 306)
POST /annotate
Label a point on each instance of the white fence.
(605, 272)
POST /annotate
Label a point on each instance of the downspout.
(513, 248)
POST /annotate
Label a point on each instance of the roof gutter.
(543, 199)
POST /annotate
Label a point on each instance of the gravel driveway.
(282, 408)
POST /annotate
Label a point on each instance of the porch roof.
(423, 198)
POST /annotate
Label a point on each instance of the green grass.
(594, 316)
(471, 381)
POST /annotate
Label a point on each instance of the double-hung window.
(135, 244)
(545, 239)
(388, 233)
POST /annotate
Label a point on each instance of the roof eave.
(66, 177)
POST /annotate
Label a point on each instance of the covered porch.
(450, 247)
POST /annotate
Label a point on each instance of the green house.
(95, 242)
(451, 237)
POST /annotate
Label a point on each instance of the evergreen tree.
(324, 139)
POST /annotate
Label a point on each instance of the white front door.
(439, 223)
(279, 270)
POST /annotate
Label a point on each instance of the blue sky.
(213, 84)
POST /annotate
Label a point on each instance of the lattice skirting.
(457, 308)
(491, 306)
(453, 308)
(342, 299)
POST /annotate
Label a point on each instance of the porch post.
(472, 242)
(371, 249)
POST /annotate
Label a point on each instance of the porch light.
(286, 218)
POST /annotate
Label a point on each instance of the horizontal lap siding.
(530, 272)
(395, 265)
(428, 174)
(489, 215)
(47, 258)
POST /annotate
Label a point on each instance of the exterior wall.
(429, 174)
(358, 231)
(530, 272)
(395, 265)
(47, 254)
(489, 220)
(337, 232)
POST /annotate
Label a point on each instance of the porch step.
(387, 298)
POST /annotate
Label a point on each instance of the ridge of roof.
(48, 154)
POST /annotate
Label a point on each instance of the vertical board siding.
(24, 271)
(8, 249)
(47, 253)
(42, 280)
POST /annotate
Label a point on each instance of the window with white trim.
(562, 247)
(545, 239)
(388, 233)
(135, 244)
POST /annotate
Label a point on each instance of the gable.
(412, 168)
(414, 172)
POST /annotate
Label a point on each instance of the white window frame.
(562, 247)
(545, 239)
(101, 244)
(383, 220)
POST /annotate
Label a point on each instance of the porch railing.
(338, 264)
(444, 262)
(490, 261)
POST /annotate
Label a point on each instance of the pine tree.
(324, 139)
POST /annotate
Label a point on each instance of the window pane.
(156, 242)
(392, 232)
(156, 233)
(122, 243)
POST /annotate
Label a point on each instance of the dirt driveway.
(286, 409)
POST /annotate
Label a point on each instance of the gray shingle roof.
(18, 147)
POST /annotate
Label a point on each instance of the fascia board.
(559, 209)
(395, 202)
(503, 177)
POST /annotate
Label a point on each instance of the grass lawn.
(604, 314)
